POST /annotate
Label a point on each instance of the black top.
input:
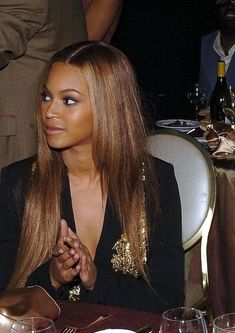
(165, 253)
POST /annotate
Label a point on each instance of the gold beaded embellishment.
(124, 260)
(74, 293)
(33, 169)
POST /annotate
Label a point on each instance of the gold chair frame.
(203, 232)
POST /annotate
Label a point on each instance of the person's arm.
(19, 21)
(9, 235)
(14, 182)
(102, 15)
(165, 262)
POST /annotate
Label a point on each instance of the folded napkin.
(26, 302)
(226, 147)
(212, 136)
(221, 137)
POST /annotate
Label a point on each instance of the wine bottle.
(220, 96)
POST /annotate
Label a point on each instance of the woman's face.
(65, 109)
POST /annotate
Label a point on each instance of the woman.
(119, 241)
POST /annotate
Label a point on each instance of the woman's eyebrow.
(71, 90)
(44, 87)
(63, 90)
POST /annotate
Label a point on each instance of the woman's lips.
(50, 130)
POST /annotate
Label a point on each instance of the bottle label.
(221, 69)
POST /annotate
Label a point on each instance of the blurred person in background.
(102, 18)
(30, 32)
(219, 45)
(162, 40)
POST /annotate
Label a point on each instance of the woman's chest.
(105, 236)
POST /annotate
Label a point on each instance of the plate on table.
(201, 139)
(114, 330)
(224, 156)
(182, 125)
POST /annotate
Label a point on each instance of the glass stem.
(196, 112)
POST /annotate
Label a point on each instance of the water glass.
(229, 111)
(197, 97)
(224, 323)
(33, 324)
(5, 323)
(183, 320)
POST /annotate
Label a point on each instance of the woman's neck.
(81, 168)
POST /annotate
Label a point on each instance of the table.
(221, 243)
(78, 314)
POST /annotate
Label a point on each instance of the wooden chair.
(196, 181)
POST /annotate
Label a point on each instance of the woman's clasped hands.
(71, 259)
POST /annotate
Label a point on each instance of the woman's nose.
(51, 110)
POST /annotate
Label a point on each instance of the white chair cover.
(196, 181)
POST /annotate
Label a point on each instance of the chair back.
(196, 181)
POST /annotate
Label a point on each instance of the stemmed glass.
(5, 323)
(33, 324)
(183, 320)
(230, 111)
(224, 323)
(196, 96)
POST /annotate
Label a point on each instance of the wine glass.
(224, 323)
(229, 111)
(196, 96)
(33, 324)
(183, 320)
(5, 323)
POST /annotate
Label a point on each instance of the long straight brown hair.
(119, 153)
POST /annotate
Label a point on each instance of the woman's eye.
(69, 101)
(45, 97)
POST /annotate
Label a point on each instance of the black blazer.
(165, 253)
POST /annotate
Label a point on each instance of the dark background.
(162, 41)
